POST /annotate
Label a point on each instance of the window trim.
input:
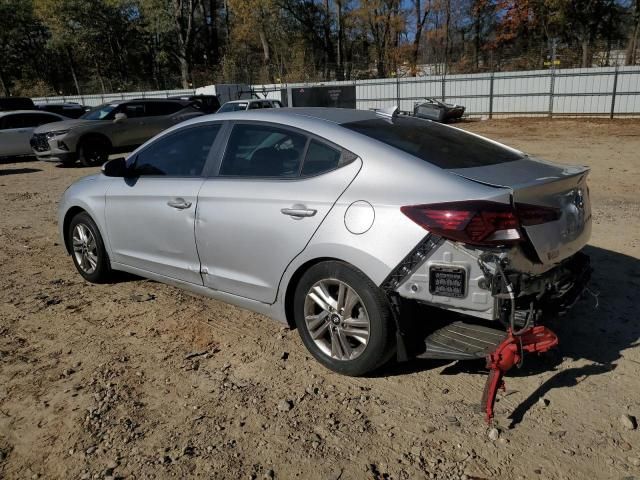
(215, 172)
(215, 147)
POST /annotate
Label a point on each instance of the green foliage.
(92, 46)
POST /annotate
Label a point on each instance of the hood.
(64, 125)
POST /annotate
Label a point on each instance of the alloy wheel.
(85, 249)
(336, 319)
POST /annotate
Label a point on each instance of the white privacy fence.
(604, 91)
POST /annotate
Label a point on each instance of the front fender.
(87, 194)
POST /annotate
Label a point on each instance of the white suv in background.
(252, 104)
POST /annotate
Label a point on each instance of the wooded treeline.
(93, 46)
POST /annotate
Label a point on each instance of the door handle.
(299, 211)
(179, 203)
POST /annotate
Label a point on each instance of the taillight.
(479, 222)
(536, 215)
(473, 222)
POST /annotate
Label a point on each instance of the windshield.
(101, 112)
(434, 143)
(233, 107)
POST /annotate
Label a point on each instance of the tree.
(420, 16)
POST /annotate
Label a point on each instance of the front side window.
(103, 112)
(263, 151)
(180, 154)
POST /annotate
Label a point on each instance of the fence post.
(491, 98)
(444, 81)
(397, 89)
(613, 94)
(551, 90)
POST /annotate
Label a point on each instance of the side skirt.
(242, 302)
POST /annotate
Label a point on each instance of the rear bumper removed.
(521, 301)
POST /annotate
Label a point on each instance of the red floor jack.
(511, 352)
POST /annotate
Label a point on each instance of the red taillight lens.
(474, 222)
(536, 215)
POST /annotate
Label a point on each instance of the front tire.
(343, 318)
(93, 152)
(87, 249)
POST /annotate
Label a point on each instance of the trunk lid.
(537, 182)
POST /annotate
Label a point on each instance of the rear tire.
(87, 249)
(93, 152)
(344, 319)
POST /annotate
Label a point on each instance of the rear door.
(274, 187)
(150, 216)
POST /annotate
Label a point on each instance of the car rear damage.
(509, 266)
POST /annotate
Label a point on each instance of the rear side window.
(320, 158)
(134, 110)
(432, 142)
(27, 120)
(155, 109)
(263, 151)
(181, 154)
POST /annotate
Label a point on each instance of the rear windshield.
(434, 143)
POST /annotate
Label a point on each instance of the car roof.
(248, 100)
(36, 112)
(146, 100)
(333, 115)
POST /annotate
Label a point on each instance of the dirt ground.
(140, 380)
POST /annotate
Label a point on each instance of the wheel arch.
(370, 266)
(87, 137)
(293, 283)
(68, 216)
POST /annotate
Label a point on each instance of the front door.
(262, 209)
(150, 215)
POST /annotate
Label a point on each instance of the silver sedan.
(339, 222)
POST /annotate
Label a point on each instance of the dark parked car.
(206, 103)
(69, 109)
(433, 109)
(16, 103)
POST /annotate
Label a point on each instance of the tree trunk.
(266, 53)
(447, 36)
(632, 45)
(421, 18)
(585, 53)
(5, 87)
(99, 74)
(328, 46)
(73, 70)
(183, 18)
(184, 70)
(340, 50)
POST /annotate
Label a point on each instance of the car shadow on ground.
(598, 329)
(17, 171)
(21, 159)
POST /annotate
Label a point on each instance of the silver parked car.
(16, 129)
(339, 222)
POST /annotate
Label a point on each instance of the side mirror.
(120, 117)
(115, 168)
